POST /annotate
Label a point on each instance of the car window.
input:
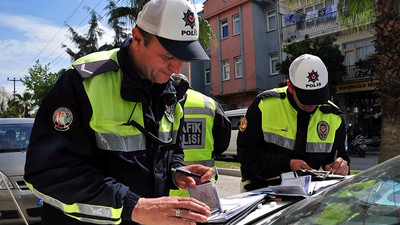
(372, 197)
(235, 122)
(14, 136)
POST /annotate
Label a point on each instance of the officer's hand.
(338, 167)
(298, 164)
(163, 210)
(183, 181)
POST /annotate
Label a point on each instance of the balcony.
(318, 26)
(354, 73)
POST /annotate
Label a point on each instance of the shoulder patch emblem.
(62, 119)
(323, 130)
(243, 124)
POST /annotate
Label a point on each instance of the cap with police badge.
(309, 76)
(176, 26)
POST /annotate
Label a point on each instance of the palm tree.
(27, 102)
(387, 66)
(131, 9)
(117, 25)
(354, 14)
(126, 13)
(87, 43)
(14, 108)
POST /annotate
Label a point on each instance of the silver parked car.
(15, 196)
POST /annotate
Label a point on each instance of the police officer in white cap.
(107, 138)
(292, 128)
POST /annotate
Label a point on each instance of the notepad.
(208, 194)
(224, 209)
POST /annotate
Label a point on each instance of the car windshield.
(14, 137)
(372, 197)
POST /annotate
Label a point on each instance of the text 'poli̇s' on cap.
(309, 76)
(175, 24)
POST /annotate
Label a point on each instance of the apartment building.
(246, 50)
(249, 37)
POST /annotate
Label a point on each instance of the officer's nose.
(175, 65)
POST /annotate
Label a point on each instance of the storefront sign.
(362, 86)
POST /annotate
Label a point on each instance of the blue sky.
(33, 29)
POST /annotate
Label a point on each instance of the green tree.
(3, 101)
(39, 82)
(87, 43)
(357, 14)
(324, 49)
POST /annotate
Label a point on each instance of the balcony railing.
(354, 72)
(314, 27)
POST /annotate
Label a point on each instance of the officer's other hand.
(183, 181)
(163, 211)
(298, 164)
(339, 167)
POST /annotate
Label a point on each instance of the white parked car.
(234, 116)
(14, 139)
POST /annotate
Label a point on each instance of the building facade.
(246, 50)
(356, 96)
(249, 37)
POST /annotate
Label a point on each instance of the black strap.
(150, 135)
(146, 132)
(303, 119)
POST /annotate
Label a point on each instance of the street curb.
(229, 172)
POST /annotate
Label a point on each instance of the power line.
(68, 37)
(48, 43)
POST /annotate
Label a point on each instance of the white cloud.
(199, 7)
(34, 38)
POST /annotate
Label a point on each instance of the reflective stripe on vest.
(279, 125)
(197, 130)
(106, 215)
(107, 120)
(110, 112)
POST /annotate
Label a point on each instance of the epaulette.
(91, 69)
(276, 94)
(330, 108)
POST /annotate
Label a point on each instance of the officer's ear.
(137, 38)
(290, 86)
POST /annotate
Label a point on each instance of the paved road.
(229, 180)
(358, 163)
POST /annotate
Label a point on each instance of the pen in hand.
(188, 173)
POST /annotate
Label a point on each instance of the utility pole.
(14, 80)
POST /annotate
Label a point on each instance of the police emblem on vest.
(323, 130)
